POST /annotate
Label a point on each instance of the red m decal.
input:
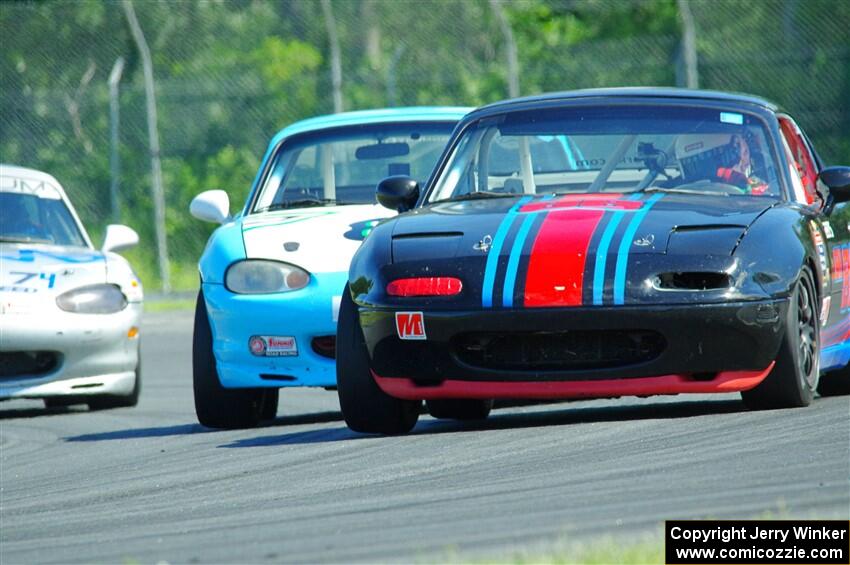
(410, 325)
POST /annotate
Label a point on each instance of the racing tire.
(63, 401)
(365, 407)
(270, 401)
(836, 383)
(794, 378)
(216, 406)
(459, 409)
(108, 401)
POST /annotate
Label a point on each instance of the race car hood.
(32, 276)
(42, 272)
(459, 227)
(572, 249)
(321, 239)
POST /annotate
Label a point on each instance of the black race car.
(603, 243)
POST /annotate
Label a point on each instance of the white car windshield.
(344, 165)
(611, 149)
(27, 218)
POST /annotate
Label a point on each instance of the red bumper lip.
(726, 381)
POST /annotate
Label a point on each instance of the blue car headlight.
(93, 299)
(260, 276)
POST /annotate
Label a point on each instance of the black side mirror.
(837, 179)
(398, 193)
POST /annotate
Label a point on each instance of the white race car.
(69, 313)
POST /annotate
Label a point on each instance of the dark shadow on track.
(136, 433)
(33, 412)
(559, 417)
(187, 429)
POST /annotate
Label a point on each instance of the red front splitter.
(726, 381)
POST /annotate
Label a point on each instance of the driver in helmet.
(719, 157)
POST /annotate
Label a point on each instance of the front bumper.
(94, 353)
(303, 314)
(706, 343)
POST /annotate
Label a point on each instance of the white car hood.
(36, 274)
(320, 240)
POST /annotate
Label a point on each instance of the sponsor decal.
(273, 346)
(19, 307)
(257, 345)
(21, 289)
(845, 289)
(820, 247)
(410, 325)
(485, 244)
(694, 147)
(827, 229)
(732, 118)
(824, 310)
(645, 241)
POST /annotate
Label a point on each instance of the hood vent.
(698, 280)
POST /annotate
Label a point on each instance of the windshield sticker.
(732, 118)
(38, 188)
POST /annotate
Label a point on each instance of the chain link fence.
(229, 74)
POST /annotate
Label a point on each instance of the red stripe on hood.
(556, 266)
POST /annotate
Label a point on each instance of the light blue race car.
(273, 274)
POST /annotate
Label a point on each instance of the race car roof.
(528, 102)
(39, 182)
(408, 114)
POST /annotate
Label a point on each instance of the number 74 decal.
(49, 277)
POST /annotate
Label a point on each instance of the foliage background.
(229, 74)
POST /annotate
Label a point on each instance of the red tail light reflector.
(425, 286)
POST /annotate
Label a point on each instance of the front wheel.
(216, 406)
(365, 407)
(794, 378)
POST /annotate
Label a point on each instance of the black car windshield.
(625, 148)
(27, 218)
(344, 165)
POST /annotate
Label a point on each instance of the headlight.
(94, 299)
(257, 276)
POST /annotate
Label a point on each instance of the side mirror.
(119, 237)
(837, 179)
(211, 206)
(398, 193)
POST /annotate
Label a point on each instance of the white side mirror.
(211, 206)
(119, 237)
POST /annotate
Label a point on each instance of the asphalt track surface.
(149, 484)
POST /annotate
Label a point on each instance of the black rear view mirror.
(837, 179)
(398, 193)
(381, 151)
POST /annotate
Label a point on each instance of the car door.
(831, 236)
